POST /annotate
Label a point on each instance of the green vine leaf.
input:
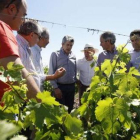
(47, 98)
(72, 124)
(106, 67)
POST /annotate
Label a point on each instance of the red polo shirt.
(8, 47)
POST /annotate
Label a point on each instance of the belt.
(65, 84)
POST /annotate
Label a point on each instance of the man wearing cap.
(135, 54)
(64, 87)
(107, 41)
(84, 69)
(28, 36)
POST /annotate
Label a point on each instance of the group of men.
(26, 48)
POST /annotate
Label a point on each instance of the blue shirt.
(26, 58)
(106, 55)
(135, 59)
(68, 61)
(38, 64)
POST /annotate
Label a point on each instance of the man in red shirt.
(12, 13)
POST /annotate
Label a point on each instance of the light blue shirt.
(37, 61)
(106, 55)
(135, 59)
(61, 59)
(26, 58)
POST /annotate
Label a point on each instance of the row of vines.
(110, 108)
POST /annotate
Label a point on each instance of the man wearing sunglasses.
(28, 35)
(12, 13)
(135, 54)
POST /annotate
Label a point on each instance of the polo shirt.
(8, 47)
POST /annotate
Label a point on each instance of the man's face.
(67, 46)
(104, 44)
(18, 18)
(89, 53)
(45, 42)
(34, 38)
(135, 40)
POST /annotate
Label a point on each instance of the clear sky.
(118, 16)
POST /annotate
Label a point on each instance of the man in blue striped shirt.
(64, 87)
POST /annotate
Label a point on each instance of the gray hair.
(44, 33)
(30, 26)
(109, 36)
(67, 38)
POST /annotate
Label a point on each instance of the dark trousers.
(82, 88)
(68, 92)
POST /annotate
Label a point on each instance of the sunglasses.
(37, 35)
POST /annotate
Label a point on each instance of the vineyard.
(110, 108)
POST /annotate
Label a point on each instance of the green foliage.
(48, 117)
(110, 110)
(47, 85)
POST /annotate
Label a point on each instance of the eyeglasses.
(9, 3)
(44, 37)
(37, 35)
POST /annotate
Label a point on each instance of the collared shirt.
(37, 61)
(25, 55)
(106, 55)
(85, 71)
(135, 59)
(61, 59)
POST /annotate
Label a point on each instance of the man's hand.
(58, 93)
(59, 73)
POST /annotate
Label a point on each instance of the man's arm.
(52, 69)
(31, 84)
(58, 73)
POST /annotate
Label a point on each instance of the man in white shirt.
(29, 35)
(36, 53)
(135, 54)
(84, 69)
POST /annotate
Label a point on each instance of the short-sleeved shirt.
(8, 47)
